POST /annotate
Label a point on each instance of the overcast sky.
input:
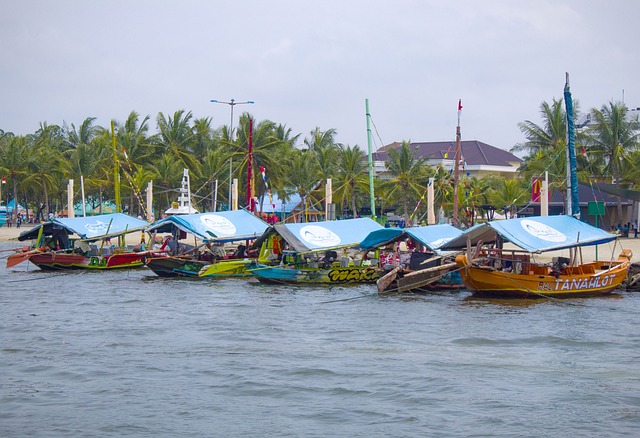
(310, 64)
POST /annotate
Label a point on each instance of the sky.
(314, 64)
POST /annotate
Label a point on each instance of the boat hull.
(175, 266)
(52, 261)
(335, 275)
(591, 279)
(231, 268)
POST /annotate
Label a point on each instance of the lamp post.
(231, 103)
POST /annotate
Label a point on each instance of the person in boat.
(329, 257)
(60, 238)
(239, 252)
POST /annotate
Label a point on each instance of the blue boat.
(206, 258)
(308, 253)
(71, 243)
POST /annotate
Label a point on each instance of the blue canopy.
(221, 226)
(323, 235)
(90, 227)
(535, 234)
(431, 236)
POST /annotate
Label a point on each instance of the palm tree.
(613, 137)
(14, 162)
(177, 138)
(351, 174)
(321, 139)
(168, 173)
(407, 173)
(547, 145)
(46, 167)
(506, 195)
(302, 165)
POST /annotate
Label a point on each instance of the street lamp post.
(231, 103)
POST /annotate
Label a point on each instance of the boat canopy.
(534, 234)
(325, 235)
(221, 226)
(431, 236)
(90, 227)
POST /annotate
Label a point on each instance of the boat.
(207, 256)
(56, 248)
(492, 270)
(421, 268)
(308, 253)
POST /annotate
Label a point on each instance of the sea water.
(125, 353)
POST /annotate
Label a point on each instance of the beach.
(589, 253)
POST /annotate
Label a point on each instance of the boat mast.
(250, 167)
(573, 204)
(371, 187)
(456, 168)
(116, 170)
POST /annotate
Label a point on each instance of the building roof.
(474, 152)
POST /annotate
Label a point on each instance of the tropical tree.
(408, 173)
(320, 139)
(176, 138)
(14, 162)
(46, 165)
(614, 138)
(301, 165)
(351, 175)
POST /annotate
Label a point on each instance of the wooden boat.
(307, 253)
(424, 268)
(491, 270)
(206, 257)
(54, 249)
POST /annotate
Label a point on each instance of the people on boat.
(239, 252)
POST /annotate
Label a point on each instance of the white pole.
(84, 205)
(234, 194)
(431, 212)
(150, 201)
(544, 196)
(70, 212)
(328, 195)
(215, 196)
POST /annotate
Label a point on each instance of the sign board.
(595, 208)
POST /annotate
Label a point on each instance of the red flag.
(583, 151)
(4, 180)
(459, 104)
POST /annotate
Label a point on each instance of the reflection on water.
(128, 353)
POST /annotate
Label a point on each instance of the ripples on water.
(127, 353)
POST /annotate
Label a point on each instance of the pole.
(231, 103)
(149, 200)
(250, 167)
(70, 212)
(372, 199)
(84, 204)
(116, 170)
(456, 169)
(215, 196)
(231, 157)
(431, 212)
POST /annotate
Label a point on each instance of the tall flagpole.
(116, 170)
(371, 186)
(456, 168)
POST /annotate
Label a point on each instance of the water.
(98, 354)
